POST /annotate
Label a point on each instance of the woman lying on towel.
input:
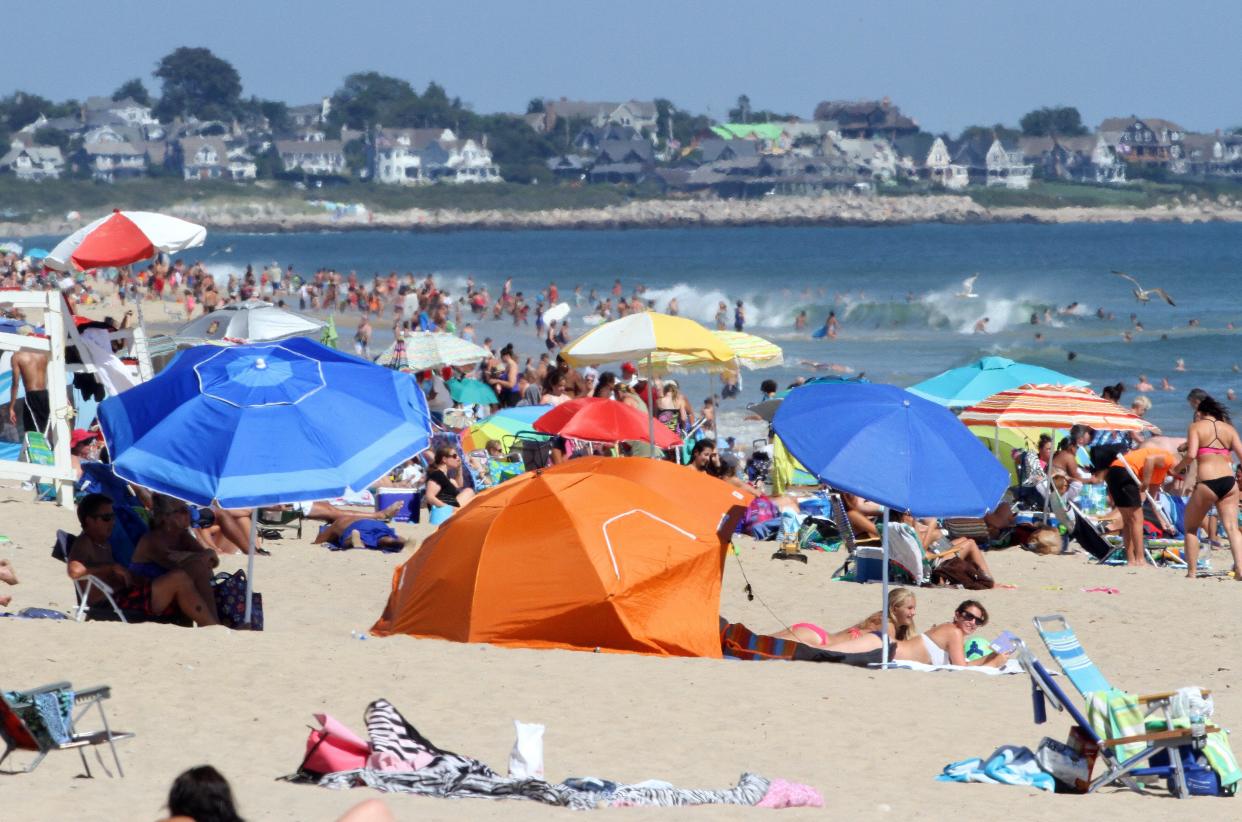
(942, 644)
(901, 607)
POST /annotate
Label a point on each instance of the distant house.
(589, 138)
(202, 158)
(112, 161)
(242, 165)
(622, 161)
(569, 166)
(1084, 159)
(311, 113)
(716, 150)
(637, 114)
(414, 156)
(1147, 141)
(872, 158)
(940, 168)
(1202, 155)
(97, 110)
(866, 118)
(318, 158)
(1005, 167)
(34, 163)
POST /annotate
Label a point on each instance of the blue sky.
(947, 63)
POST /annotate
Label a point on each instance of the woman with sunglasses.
(442, 488)
(942, 644)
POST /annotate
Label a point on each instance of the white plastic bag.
(526, 758)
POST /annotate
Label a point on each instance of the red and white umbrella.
(1052, 406)
(124, 237)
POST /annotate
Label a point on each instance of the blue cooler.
(439, 513)
(869, 563)
(410, 499)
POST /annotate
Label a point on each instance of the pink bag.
(333, 748)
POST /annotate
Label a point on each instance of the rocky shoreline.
(834, 210)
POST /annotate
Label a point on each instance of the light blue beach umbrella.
(886, 445)
(37, 253)
(264, 424)
(970, 384)
(471, 392)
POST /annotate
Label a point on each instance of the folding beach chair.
(19, 735)
(1158, 745)
(108, 610)
(282, 519)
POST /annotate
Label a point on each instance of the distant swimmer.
(1231, 395)
(1071, 356)
(1126, 336)
(1143, 295)
(1039, 337)
(1144, 384)
(1229, 326)
(831, 325)
(835, 367)
(968, 287)
(1034, 318)
(1194, 323)
(1165, 385)
(981, 327)
(672, 309)
(1181, 365)
(1235, 368)
(800, 321)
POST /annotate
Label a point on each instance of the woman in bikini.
(901, 608)
(1211, 443)
(943, 644)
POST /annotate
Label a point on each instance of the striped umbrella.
(1052, 406)
(748, 350)
(505, 426)
(421, 350)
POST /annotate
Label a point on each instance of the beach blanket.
(1011, 666)
(433, 771)
(49, 715)
(1008, 765)
(1115, 713)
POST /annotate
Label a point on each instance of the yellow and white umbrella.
(642, 336)
(748, 350)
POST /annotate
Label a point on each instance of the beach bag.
(230, 593)
(1069, 767)
(760, 510)
(332, 748)
(961, 571)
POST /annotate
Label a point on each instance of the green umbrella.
(471, 392)
(329, 336)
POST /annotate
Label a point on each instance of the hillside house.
(1147, 141)
(866, 118)
(941, 170)
(202, 158)
(101, 110)
(637, 114)
(33, 163)
(318, 158)
(1006, 167)
(112, 161)
(1082, 159)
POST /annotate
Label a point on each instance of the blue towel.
(1008, 765)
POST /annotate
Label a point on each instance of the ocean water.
(893, 289)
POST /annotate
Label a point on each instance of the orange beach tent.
(620, 554)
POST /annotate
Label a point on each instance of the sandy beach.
(870, 742)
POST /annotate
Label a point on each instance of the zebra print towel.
(455, 776)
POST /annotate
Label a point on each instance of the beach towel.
(48, 715)
(1115, 713)
(739, 642)
(1008, 765)
(1011, 666)
(434, 771)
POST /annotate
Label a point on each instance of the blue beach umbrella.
(36, 253)
(264, 424)
(970, 384)
(889, 446)
(471, 392)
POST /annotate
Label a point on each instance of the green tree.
(1062, 120)
(133, 89)
(53, 137)
(197, 83)
(356, 157)
(268, 165)
(367, 98)
(741, 114)
(685, 124)
(983, 135)
(517, 148)
(535, 106)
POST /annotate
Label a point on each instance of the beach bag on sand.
(332, 748)
(230, 592)
(963, 572)
(761, 510)
(1069, 767)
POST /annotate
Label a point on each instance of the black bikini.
(1221, 486)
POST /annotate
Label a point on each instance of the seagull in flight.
(1143, 295)
(968, 287)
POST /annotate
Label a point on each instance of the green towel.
(1115, 713)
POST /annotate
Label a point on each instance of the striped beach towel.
(739, 642)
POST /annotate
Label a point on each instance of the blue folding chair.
(1161, 756)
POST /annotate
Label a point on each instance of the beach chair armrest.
(97, 692)
(1177, 735)
(44, 689)
(1164, 696)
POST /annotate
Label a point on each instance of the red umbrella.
(598, 419)
(124, 237)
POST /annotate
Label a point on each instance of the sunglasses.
(103, 517)
(972, 617)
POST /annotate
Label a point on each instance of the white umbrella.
(248, 321)
(431, 349)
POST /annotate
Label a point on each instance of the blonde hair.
(896, 598)
(1141, 404)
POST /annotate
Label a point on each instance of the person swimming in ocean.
(981, 327)
(1144, 384)
(800, 321)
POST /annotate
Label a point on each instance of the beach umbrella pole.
(254, 534)
(883, 592)
(651, 404)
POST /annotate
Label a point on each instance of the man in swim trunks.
(30, 369)
(1150, 466)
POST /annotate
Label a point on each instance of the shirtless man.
(30, 369)
(169, 546)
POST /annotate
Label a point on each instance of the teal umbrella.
(971, 384)
(471, 392)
